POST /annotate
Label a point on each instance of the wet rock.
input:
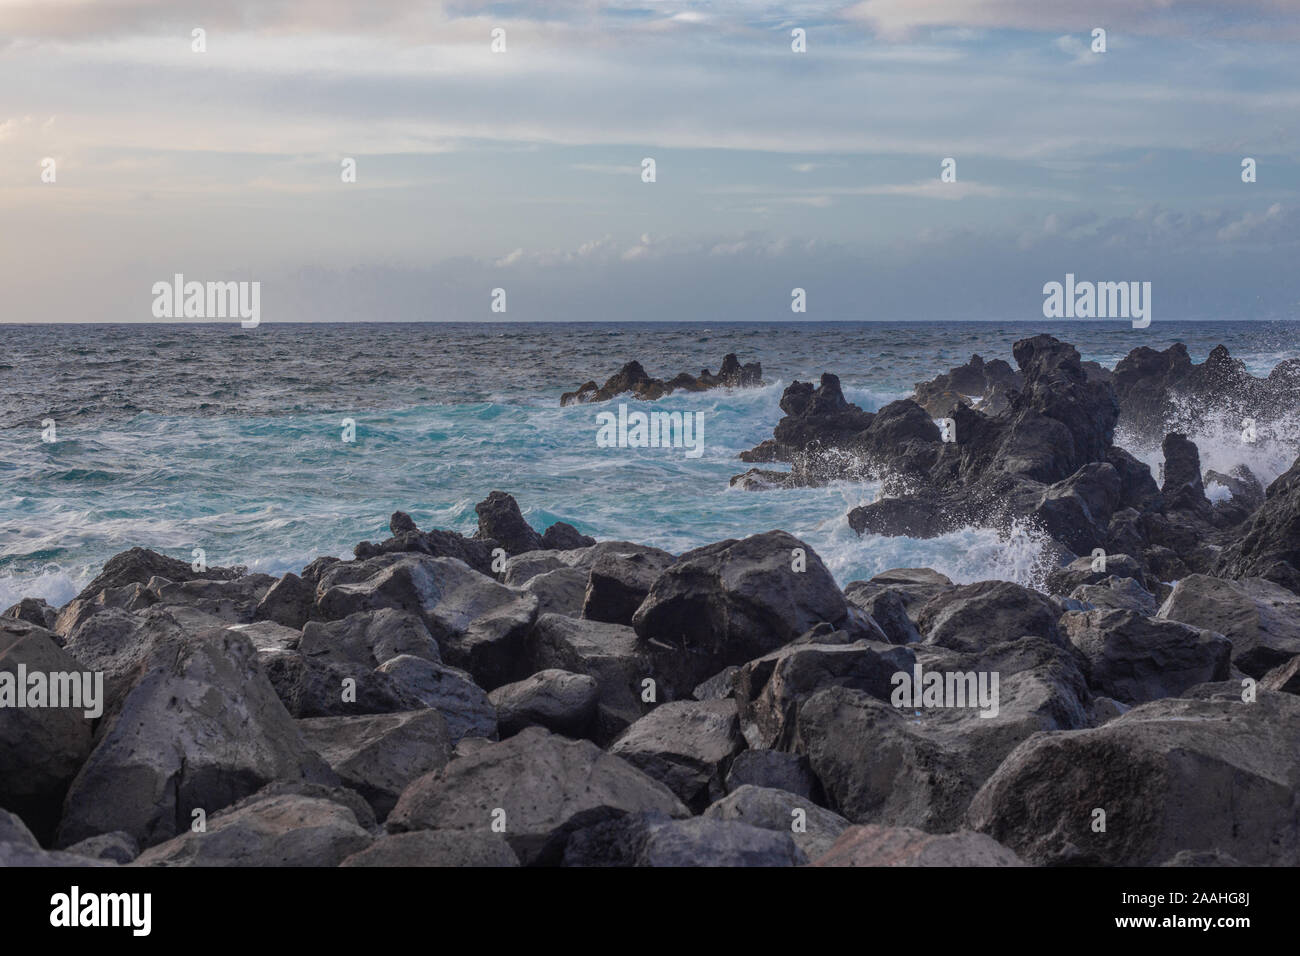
(633, 379)
(1269, 542)
(138, 565)
(972, 616)
(562, 536)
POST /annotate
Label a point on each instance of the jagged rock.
(138, 565)
(1202, 772)
(773, 769)
(233, 601)
(441, 848)
(904, 766)
(369, 638)
(401, 523)
(546, 785)
(289, 601)
(1262, 619)
(437, 543)
(1269, 546)
(618, 582)
(269, 636)
(687, 745)
(285, 829)
(770, 688)
(732, 601)
(972, 616)
(887, 608)
(499, 519)
(914, 586)
(555, 699)
(34, 611)
(562, 536)
(813, 828)
(1284, 678)
(1077, 510)
(308, 687)
(1089, 570)
(719, 686)
(610, 653)
(41, 747)
(1133, 658)
(873, 845)
(561, 591)
(632, 378)
(479, 625)
(199, 728)
(1116, 593)
(128, 597)
(463, 704)
(379, 755)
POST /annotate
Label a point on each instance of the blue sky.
(774, 169)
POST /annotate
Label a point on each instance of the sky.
(774, 169)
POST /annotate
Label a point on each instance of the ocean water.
(183, 436)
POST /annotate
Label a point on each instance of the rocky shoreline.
(519, 697)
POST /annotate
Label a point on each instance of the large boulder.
(463, 704)
(618, 582)
(732, 601)
(36, 611)
(379, 755)
(41, 747)
(289, 601)
(771, 688)
(1133, 659)
(973, 616)
(687, 745)
(200, 728)
(775, 770)
(610, 653)
(1262, 619)
(315, 688)
(918, 763)
(545, 786)
(138, 565)
(500, 520)
(555, 699)
(1204, 772)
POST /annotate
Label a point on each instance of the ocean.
(183, 436)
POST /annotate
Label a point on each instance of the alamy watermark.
(82, 690)
(179, 299)
(921, 689)
(651, 430)
(1098, 300)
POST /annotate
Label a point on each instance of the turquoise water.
(212, 437)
